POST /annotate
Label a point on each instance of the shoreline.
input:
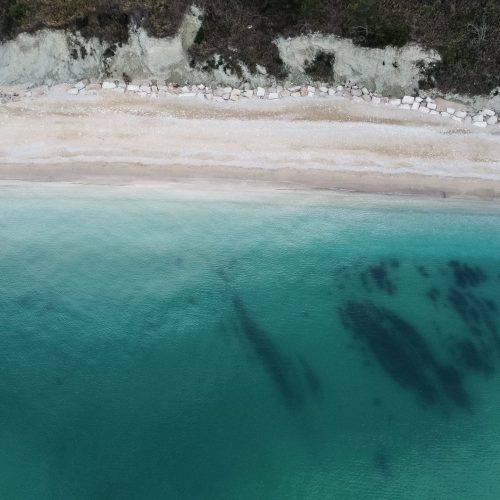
(314, 144)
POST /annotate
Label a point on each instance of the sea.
(181, 343)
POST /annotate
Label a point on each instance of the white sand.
(321, 143)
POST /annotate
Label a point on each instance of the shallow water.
(158, 344)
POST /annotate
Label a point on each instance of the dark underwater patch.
(280, 369)
(403, 353)
(380, 277)
(465, 275)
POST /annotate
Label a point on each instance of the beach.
(333, 144)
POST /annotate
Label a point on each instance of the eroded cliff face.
(389, 71)
(51, 57)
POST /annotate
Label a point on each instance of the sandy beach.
(331, 144)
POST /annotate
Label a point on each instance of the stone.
(478, 118)
(492, 120)
(488, 112)
(141, 93)
(201, 86)
(145, 88)
(296, 94)
(80, 85)
(479, 124)
(248, 94)
(185, 89)
(310, 94)
(261, 92)
(457, 119)
(395, 102)
(134, 88)
(235, 95)
(461, 114)
(418, 99)
(376, 100)
(432, 105)
(189, 94)
(331, 92)
(408, 99)
(450, 110)
(73, 91)
(108, 85)
(274, 95)
(468, 120)
(434, 112)
(323, 89)
(339, 88)
(356, 92)
(428, 99)
(423, 109)
(120, 90)
(285, 93)
(365, 91)
(404, 106)
(294, 89)
(303, 91)
(367, 98)
(415, 106)
(311, 89)
(445, 114)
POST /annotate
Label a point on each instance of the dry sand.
(305, 143)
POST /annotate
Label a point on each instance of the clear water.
(156, 345)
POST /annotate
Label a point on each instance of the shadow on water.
(403, 353)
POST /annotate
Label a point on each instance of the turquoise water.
(158, 346)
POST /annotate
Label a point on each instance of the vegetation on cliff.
(465, 32)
